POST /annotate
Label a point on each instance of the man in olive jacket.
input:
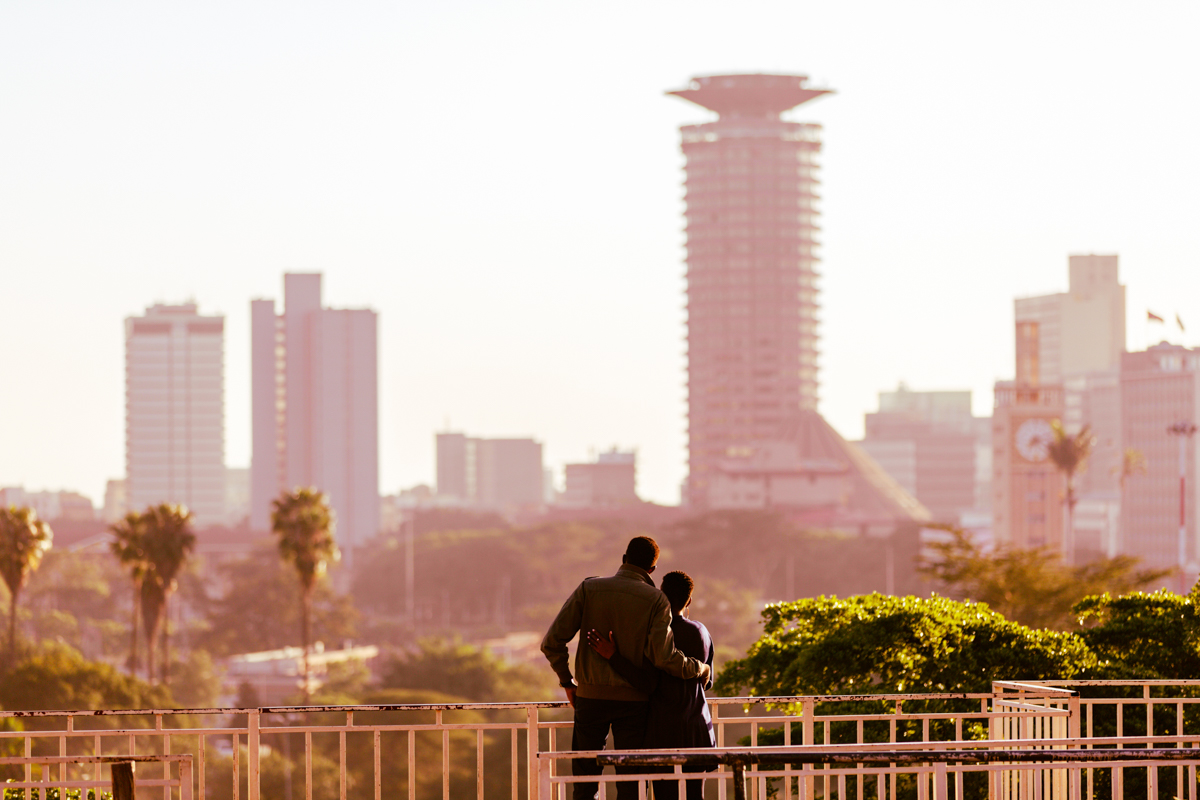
(640, 615)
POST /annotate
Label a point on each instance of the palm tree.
(1070, 453)
(1132, 463)
(23, 540)
(304, 523)
(167, 542)
(128, 546)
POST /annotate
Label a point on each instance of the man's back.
(626, 603)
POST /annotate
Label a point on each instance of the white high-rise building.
(315, 407)
(1081, 330)
(175, 410)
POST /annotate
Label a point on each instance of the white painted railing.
(463, 750)
(81, 778)
(1013, 769)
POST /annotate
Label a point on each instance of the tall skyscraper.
(315, 406)
(175, 410)
(751, 191)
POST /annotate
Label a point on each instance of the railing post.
(739, 781)
(808, 707)
(941, 787)
(545, 785)
(531, 718)
(1076, 722)
(185, 779)
(122, 781)
(252, 748)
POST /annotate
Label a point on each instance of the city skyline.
(983, 184)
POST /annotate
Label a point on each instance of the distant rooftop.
(749, 95)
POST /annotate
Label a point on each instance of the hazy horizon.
(502, 183)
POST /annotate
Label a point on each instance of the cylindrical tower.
(751, 266)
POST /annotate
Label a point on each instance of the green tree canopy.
(879, 644)
(57, 677)
(1033, 586)
(1143, 636)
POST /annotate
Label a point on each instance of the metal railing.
(1016, 771)
(497, 749)
(64, 780)
(481, 748)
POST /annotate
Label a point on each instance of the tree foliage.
(452, 667)
(57, 677)
(879, 644)
(23, 540)
(258, 608)
(303, 521)
(167, 543)
(1033, 586)
(154, 545)
(1143, 635)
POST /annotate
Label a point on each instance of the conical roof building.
(752, 227)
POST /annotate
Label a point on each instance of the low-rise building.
(609, 481)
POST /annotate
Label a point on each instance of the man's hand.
(570, 690)
(603, 647)
(705, 675)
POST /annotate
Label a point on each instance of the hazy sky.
(502, 182)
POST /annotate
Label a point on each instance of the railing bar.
(412, 764)
(166, 764)
(62, 749)
(533, 743)
(378, 770)
(479, 763)
(515, 761)
(342, 765)
(200, 767)
(237, 762)
(308, 762)
(1179, 730)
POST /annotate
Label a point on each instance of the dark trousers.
(593, 719)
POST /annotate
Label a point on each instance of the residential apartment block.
(315, 406)
(175, 410)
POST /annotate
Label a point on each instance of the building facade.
(500, 474)
(608, 482)
(175, 410)
(752, 222)
(1081, 330)
(1160, 388)
(315, 407)
(1028, 490)
(927, 442)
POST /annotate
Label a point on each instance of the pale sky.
(502, 182)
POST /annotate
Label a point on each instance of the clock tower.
(1028, 488)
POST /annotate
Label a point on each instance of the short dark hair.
(642, 552)
(678, 586)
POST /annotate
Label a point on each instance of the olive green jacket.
(639, 616)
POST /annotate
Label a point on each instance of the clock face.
(1033, 439)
